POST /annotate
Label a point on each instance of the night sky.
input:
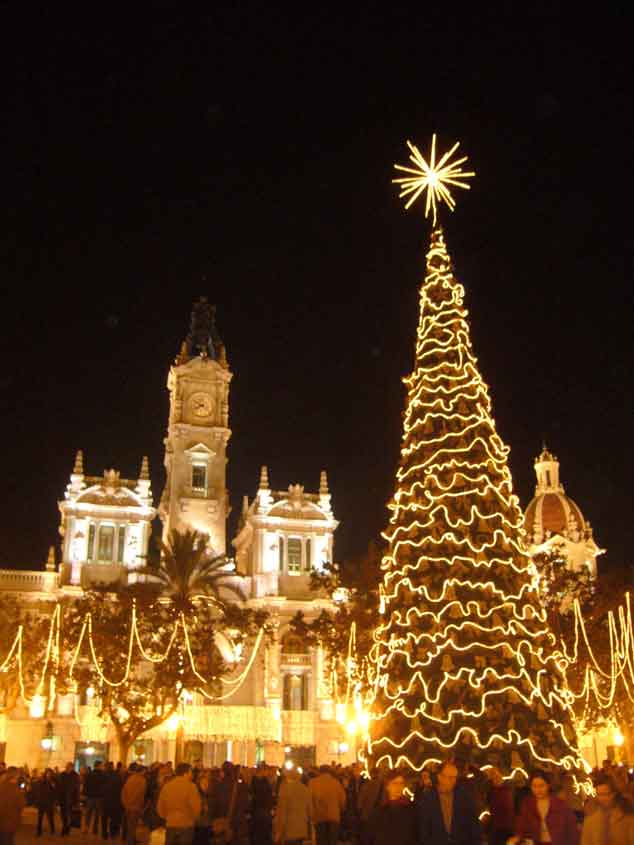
(246, 155)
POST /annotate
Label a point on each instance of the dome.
(551, 511)
(554, 513)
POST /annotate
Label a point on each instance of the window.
(294, 554)
(281, 550)
(199, 477)
(308, 562)
(120, 543)
(295, 692)
(106, 542)
(91, 541)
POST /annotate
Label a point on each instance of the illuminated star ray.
(432, 177)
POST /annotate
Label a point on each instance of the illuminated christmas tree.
(464, 664)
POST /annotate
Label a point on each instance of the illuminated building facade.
(284, 708)
(553, 522)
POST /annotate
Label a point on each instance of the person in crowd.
(112, 808)
(447, 813)
(612, 822)
(261, 832)
(180, 805)
(543, 817)
(133, 801)
(68, 796)
(571, 797)
(424, 784)
(44, 798)
(93, 794)
(353, 789)
(202, 827)
(12, 802)
(396, 818)
(293, 816)
(501, 805)
(328, 802)
(230, 806)
(371, 794)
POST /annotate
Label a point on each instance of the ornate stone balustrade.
(296, 659)
(16, 580)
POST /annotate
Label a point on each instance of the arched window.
(293, 644)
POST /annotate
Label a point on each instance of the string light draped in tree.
(463, 663)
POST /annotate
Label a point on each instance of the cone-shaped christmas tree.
(463, 665)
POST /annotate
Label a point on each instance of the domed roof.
(555, 513)
(551, 511)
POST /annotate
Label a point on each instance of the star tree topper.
(433, 177)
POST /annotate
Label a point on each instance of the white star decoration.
(433, 177)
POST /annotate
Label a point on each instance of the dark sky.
(149, 158)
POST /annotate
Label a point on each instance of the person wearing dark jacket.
(544, 817)
(93, 793)
(44, 798)
(424, 784)
(67, 795)
(395, 819)
(501, 809)
(447, 814)
(371, 793)
(112, 808)
(261, 809)
(230, 800)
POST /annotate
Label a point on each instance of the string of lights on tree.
(463, 662)
(85, 648)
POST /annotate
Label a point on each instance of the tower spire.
(203, 339)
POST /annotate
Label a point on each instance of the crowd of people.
(454, 804)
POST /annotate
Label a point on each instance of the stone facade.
(553, 521)
(284, 709)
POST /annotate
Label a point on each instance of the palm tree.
(186, 570)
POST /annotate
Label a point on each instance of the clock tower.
(195, 494)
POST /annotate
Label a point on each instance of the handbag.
(222, 825)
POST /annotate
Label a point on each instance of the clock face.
(201, 405)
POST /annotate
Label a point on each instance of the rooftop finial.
(144, 475)
(78, 469)
(50, 562)
(324, 493)
(264, 478)
(264, 496)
